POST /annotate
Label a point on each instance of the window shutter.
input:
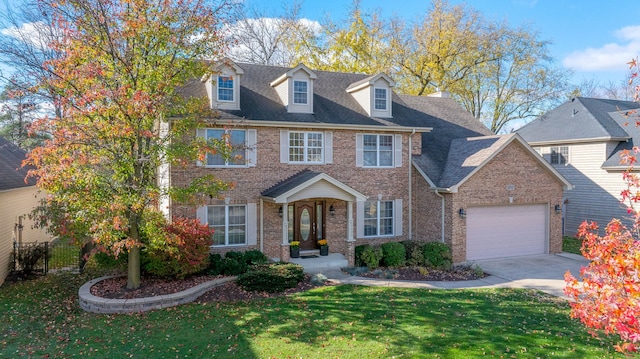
(201, 213)
(359, 219)
(252, 148)
(252, 224)
(284, 146)
(397, 217)
(397, 145)
(202, 133)
(328, 147)
(359, 149)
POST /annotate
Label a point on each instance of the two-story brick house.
(339, 156)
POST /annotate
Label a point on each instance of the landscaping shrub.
(254, 257)
(358, 253)
(232, 266)
(29, 257)
(393, 254)
(182, 248)
(371, 256)
(437, 254)
(272, 278)
(413, 253)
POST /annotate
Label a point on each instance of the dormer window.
(300, 92)
(225, 88)
(295, 89)
(380, 99)
(373, 94)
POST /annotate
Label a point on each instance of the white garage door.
(506, 231)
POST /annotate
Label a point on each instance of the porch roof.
(310, 184)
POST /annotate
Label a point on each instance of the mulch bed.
(115, 288)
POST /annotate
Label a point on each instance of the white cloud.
(37, 34)
(612, 56)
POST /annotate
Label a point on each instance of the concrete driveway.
(543, 272)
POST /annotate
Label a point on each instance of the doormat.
(309, 256)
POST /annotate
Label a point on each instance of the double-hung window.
(229, 223)
(306, 147)
(559, 155)
(300, 92)
(378, 218)
(377, 150)
(380, 99)
(225, 88)
(236, 139)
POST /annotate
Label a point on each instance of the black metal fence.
(41, 257)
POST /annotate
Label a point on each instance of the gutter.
(410, 184)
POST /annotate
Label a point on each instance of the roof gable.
(13, 174)
(579, 120)
(468, 155)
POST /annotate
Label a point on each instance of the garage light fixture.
(332, 211)
(280, 211)
(462, 213)
(558, 209)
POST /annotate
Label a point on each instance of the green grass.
(571, 245)
(42, 319)
(64, 255)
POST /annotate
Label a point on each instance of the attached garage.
(507, 231)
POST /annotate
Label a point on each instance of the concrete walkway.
(543, 272)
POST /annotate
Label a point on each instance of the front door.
(308, 228)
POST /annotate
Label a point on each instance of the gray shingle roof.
(289, 183)
(12, 175)
(334, 105)
(628, 123)
(579, 119)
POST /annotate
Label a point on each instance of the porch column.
(350, 221)
(284, 246)
(285, 223)
(351, 243)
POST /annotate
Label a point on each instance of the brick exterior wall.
(391, 183)
(514, 165)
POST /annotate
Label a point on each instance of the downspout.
(410, 185)
(442, 212)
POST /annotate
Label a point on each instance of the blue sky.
(594, 38)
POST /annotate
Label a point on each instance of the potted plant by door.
(294, 249)
(324, 247)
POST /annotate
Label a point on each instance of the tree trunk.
(133, 272)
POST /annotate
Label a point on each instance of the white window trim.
(226, 226)
(396, 156)
(559, 155)
(306, 93)
(393, 145)
(251, 232)
(327, 147)
(397, 219)
(305, 148)
(386, 99)
(233, 90)
(250, 150)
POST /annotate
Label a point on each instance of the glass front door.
(308, 224)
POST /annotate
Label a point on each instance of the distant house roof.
(579, 120)
(13, 174)
(588, 120)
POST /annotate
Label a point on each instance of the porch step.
(314, 263)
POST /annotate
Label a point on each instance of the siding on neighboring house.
(596, 195)
(14, 203)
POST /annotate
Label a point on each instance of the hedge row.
(398, 254)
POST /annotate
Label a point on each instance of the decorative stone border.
(93, 304)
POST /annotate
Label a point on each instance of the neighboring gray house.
(17, 198)
(583, 139)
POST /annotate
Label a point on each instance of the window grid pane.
(225, 88)
(377, 151)
(380, 99)
(237, 140)
(228, 223)
(300, 92)
(378, 218)
(305, 147)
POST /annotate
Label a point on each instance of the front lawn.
(571, 245)
(42, 319)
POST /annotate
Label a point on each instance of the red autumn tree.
(608, 296)
(118, 77)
